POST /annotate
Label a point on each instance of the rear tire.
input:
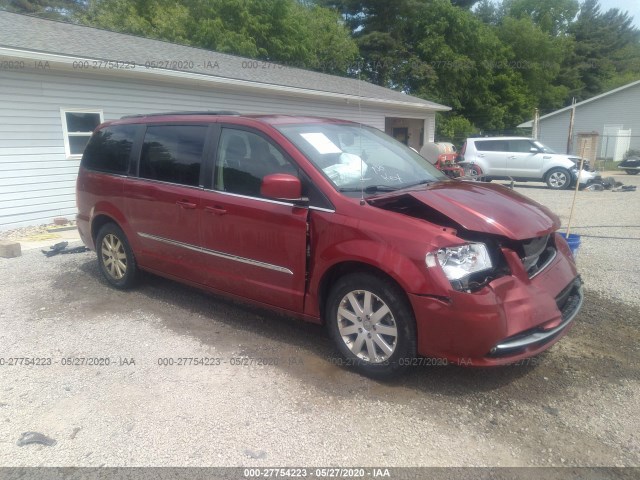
(632, 172)
(372, 324)
(115, 257)
(558, 178)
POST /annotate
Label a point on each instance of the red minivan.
(333, 222)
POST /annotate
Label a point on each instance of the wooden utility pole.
(571, 119)
(535, 131)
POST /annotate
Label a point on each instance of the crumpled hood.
(485, 208)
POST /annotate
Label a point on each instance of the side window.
(173, 153)
(244, 159)
(109, 149)
(492, 146)
(77, 127)
(520, 146)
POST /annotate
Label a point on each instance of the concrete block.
(9, 249)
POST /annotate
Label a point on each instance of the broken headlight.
(461, 262)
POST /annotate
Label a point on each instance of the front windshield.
(356, 157)
(543, 147)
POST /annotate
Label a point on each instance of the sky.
(631, 6)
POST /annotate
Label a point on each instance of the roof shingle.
(35, 34)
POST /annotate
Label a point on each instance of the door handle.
(512, 158)
(186, 204)
(215, 210)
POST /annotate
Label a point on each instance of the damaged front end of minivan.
(506, 288)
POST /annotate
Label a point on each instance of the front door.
(522, 162)
(256, 246)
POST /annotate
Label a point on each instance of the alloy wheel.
(114, 257)
(367, 326)
(557, 179)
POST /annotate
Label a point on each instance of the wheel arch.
(100, 221)
(340, 269)
(105, 212)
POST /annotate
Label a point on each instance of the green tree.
(276, 30)
(53, 9)
(488, 12)
(607, 46)
(435, 50)
(453, 128)
(551, 16)
(539, 57)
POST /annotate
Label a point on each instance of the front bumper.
(569, 303)
(584, 176)
(512, 318)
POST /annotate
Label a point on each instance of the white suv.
(521, 159)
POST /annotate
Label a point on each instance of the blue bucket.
(573, 241)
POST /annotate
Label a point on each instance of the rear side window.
(110, 148)
(173, 153)
(492, 146)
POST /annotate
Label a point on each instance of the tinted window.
(244, 159)
(492, 146)
(173, 153)
(110, 148)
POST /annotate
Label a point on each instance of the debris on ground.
(61, 248)
(598, 184)
(34, 437)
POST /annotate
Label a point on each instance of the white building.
(613, 115)
(58, 81)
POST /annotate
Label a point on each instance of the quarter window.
(77, 127)
(110, 148)
(173, 153)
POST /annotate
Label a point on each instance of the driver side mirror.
(284, 187)
(534, 150)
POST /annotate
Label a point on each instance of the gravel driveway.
(576, 405)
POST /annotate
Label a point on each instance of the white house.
(613, 115)
(58, 81)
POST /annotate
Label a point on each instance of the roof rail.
(206, 112)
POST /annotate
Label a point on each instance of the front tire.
(558, 178)
(371, 323)
(115, 257)
(632, 172)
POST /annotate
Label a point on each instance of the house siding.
(37, 181)
(619, 108)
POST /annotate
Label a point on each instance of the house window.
(77, 127)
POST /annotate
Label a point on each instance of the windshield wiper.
(415, 184)
(370, 189)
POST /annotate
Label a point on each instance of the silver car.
(521, 159)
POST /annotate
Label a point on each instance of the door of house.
(401, 134)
